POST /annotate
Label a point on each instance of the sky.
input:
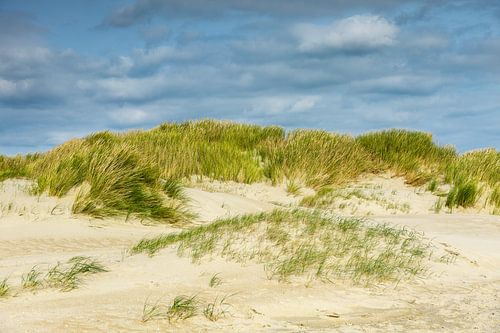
(70, 68)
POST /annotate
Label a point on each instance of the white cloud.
(10, 89)
(359, 32)
(283, 104)
(304, 104)
(126, 88)
(58, 137)
(129, 116)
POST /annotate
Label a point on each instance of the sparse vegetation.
(297, 243)
(68, 276)
(182, 308)
(328, 198)
(438, 205)
(217, 309)
(292, 188)
(215, 281)
(32, 280)
(4, 288)
(155, 310)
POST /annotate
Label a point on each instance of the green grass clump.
(182, 308)
(292, 188)
(14, 167)
(216, 149)
(217, 309)
(4, 288)
(113, 179)
(433, 185)
(297, 243)
(494, 199)
(69, 276)
(152, 311)
(315, 158)
(480, 165)
(32, 279)
(408, 153)
(215, 281)
(464, 194)
(471, 174)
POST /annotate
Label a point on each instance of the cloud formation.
(344, 66)
(358, 33)
(141, 11)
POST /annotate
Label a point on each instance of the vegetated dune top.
(140, 173)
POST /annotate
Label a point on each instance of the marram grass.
(138, 173)
(412, 154)
(303, 243)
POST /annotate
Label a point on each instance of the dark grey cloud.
(404, 12)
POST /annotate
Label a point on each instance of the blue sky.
(69, 68)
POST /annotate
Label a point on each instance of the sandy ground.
(461, 295)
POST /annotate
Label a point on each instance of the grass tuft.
(4, 288)
(32, 279)
(408, 153)
(69, 276)
(463, 195)
(153, 311)
(217, 309)
(215, 281)
(182, 308)
(292, 188)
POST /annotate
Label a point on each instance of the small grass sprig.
(32, 280)
(5, 288)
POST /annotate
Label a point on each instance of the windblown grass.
(153, 310)
(32, 280)
(67, 277)
(217, 309)
(408, 153)
(139, 173)
(329, 197)
(215, 281)
(14, 167)
(494, 199)
(114, 180)
(4, 288)
(470, 175)
(181, 308)
(302, 243)
(315, 158)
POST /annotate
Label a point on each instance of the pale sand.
(461, 296)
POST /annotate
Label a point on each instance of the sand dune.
(461, 293)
